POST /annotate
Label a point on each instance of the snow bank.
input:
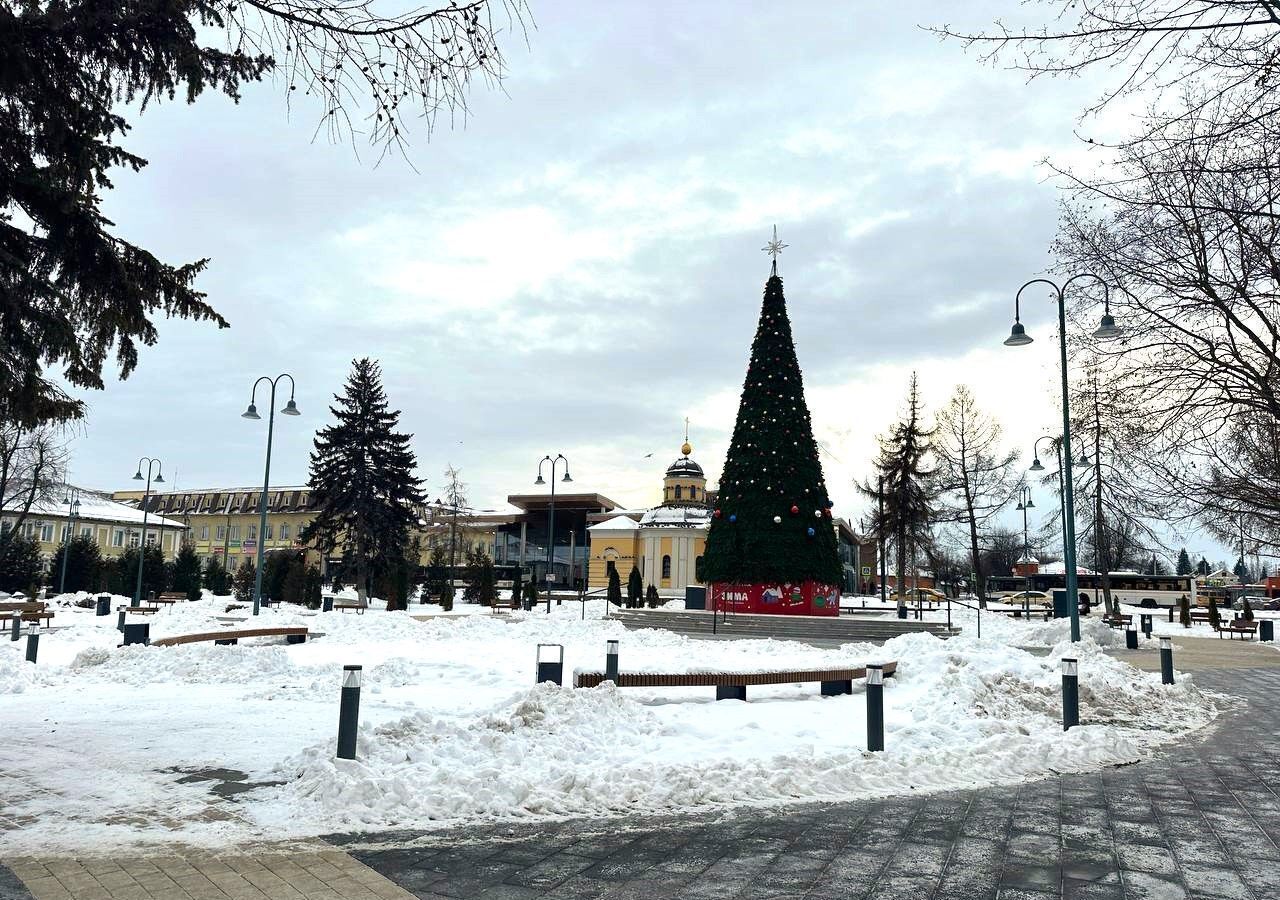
(453, 729)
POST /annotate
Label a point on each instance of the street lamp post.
(1018, 337)
(1036, 466)
(73, 509)
(1025, 503)
(290, 409)
(551, 516)
(146, 497)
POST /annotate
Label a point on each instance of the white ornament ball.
(777, 520)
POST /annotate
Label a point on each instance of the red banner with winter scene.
(808, 598)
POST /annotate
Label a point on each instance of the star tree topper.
(774, 248)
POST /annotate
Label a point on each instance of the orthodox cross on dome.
(686, 448)
(774, 248)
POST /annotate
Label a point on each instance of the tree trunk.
(1102, 545)
(900, 587)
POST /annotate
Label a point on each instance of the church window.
(678, 491)
(666, 567)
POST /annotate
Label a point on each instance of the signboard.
(808, 598)
(866, 570)
(551, 578)
(248, 546)
(217, 549)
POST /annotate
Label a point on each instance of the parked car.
(929, 595)
(1023, 598)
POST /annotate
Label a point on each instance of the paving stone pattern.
(1201, 821)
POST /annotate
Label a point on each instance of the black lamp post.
(548, 576)
(1025, 503)
(290, 409)
(1036, 466)
(1018, 337)
(146, 497)
(73, 508)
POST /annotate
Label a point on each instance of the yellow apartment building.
(114, 526)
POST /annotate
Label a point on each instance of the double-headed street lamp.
(146, 496)
(290, 409)
(1025, 503)
(1018, 337)
(551, 515)
(73, 510)
(1036, 466)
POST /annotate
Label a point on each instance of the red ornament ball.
(718, 513)
(795, 510)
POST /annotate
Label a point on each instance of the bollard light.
(1070, 693)
(349, 711)
(1166, 660)
(15, 625)
(611, 661)
(875, 707)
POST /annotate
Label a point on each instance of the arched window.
(679, 490)
(693, 492)
(666, 567)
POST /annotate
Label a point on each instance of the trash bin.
(326, 603)
(1131, 638)
(103, 605)
(137, 633)
(1061, 604)
(1146, 623)
(695, 597)
(1266, 630)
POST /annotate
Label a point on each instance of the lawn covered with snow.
(100, 743)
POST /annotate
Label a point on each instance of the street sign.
(866, 570)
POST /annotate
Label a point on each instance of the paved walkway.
(1202, 821)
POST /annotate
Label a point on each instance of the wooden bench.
(1199, 615)
(345, 605)
(1240, 627)
(140, 610)
(291, 635)
(6, 618)
(1119, 621)
(168, 598)
(24, 606)
(733, 685)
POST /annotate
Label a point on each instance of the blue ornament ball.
(732, 517)
(812, 532)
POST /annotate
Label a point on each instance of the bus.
(1126, 587)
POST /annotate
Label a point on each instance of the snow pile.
(964, 713)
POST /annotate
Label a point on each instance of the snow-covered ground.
(98, 741)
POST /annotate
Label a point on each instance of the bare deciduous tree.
(32, 470)
(975, 474)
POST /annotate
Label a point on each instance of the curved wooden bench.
(291, 635)
(733, 685)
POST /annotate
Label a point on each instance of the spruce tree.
(905, 487)
(216, 578)
(244, 579)
(1184, 611)
(186, 572)
(635, 588)
(20, 565)
(772, 521)
(1215, 617)
(1202, 567)
(84, 562)
(1184, 562)
(481, 579)
(614, 592)
(362, 479)
(652, 598)
(1246, 611)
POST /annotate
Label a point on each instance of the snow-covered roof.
(1060, 568)
(676, 517)
(617, 523)
(96, 507)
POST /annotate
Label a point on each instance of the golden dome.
(686, 448)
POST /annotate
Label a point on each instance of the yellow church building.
(666, 542)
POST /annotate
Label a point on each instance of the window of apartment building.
(87, 532)
(251, 533)
(64, 533)
(268, 531)
(117, 538)
(666, 567)
(46, 532)
(220, 533)
(235, 532)
(204, 532)
(134, 539)
(284, 531)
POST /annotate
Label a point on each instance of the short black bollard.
(611, 661)
(349, 711)
(549, 669)
(1146, 624)
(120, 621)
(1070, 693)
(1266, 630)
(1166, 660)
(902, 612)
(875, 707)
(1131, 637)
(33, 641)
(15, 625)
(326, 604)
(103, 605)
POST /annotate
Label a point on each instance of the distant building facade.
(115, 527)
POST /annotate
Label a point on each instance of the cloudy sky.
(577, 267)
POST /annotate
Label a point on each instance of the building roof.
(1060, 568)
(676, 517)
(684, 467)
(585, 500)
(97, 507)
(617, 523)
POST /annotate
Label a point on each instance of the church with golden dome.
(666, 542)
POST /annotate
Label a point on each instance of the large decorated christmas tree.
(772, 545)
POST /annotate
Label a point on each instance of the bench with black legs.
(733, 685)
(1118, 621)
(291, 636)
(1247, 630)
